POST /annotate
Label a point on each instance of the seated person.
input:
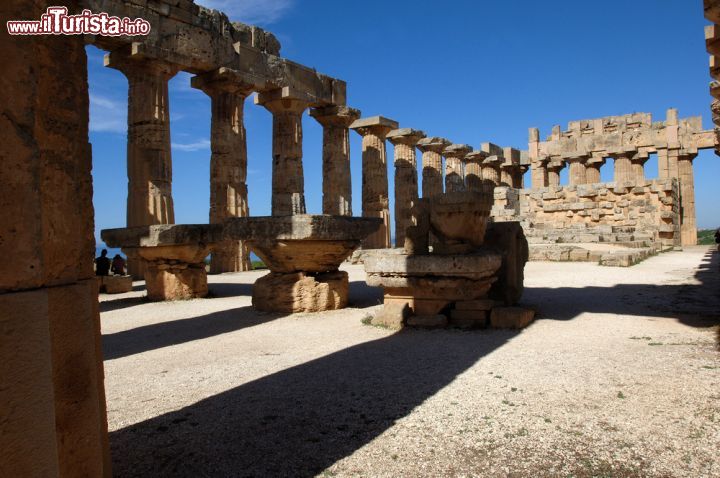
(102, 264)
(118, 265)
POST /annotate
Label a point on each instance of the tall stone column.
(454, 174)
(473, 170)
(288, 181)
(592, 169)
(337, 188)
(638, 168)
(577, 168)
(688, 229)
(228, 163)
(553, 169)
(538, 165)
(432, 172)
(406, 180)
(375, 202)
(149, 161)
(623, 167)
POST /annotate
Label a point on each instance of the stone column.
(473, 170)
(149, 160)
(638, 168)
(228, 163)
(592, 169)
(539, 173)
(432, 181)
(553, 168)
(520, 178)
(337, 189)
(623, 167)
(688, 229)
(490, 172)
(406, 180)
(510, 167)
(454, 174)
(577, 168)
(288, 181)
(375, 201)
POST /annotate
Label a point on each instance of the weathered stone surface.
(337, 190)
(375, 199)
(459, 217)
(511, 317)
(479, 304)
(380, 265)
(301, 292)
(508, 238)
(393, 314)
(302, 242)
(454, 173)
(432, 148)
(406, 180)
(468, 319)
(115, 284)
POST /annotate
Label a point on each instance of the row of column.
(629, 167)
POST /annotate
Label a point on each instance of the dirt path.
(619, 377)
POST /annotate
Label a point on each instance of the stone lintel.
(511, 155)
(141, 56)
(457, 150)
(162, 235)
(406, 136)
(285, 97)
(433, 143)
(335, 115)
(226, 80)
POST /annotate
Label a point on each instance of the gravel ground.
(618, 377)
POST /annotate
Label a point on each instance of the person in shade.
(102, 264)
(118, 265)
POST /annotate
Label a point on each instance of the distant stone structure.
(712, 43)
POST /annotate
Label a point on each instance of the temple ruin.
(464, 227)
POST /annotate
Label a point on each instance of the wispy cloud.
(189, 147)
(251, 11)
(107, 115)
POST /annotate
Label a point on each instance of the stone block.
(175, 281)
(116, 284)
(511, 317)
(301, 292)
(428, 321)
(478, 304)
(393, 314)
(579, 255)
(468, 319)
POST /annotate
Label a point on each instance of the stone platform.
(173, 254)
(303, 253)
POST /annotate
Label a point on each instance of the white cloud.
(251, 11)
(189, 147)
(107, 115)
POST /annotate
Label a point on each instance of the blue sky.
(471, 71)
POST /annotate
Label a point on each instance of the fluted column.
(473, 170)
(406, 180)
(490, 172)
(454, 173)
(288, 182)
(638, 168)
(688, 222)
(149, 161)
(623, 167)
(375, 201)
(228, 163)
(576, 171)
(592, 169)
(337, 188)
(553, 168)
(432, 176)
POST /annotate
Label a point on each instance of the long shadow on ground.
(302, 420)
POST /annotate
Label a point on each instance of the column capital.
(223, 80)
(476, 157)
(457, 150)
(555, 165)
(334, 115)
(130, 62)
(283, 100)
(406, 136)
(377, 125)
(434, 144)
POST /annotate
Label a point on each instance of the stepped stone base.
(613, 255)
(301, 292)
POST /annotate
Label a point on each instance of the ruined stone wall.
(593, 213)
